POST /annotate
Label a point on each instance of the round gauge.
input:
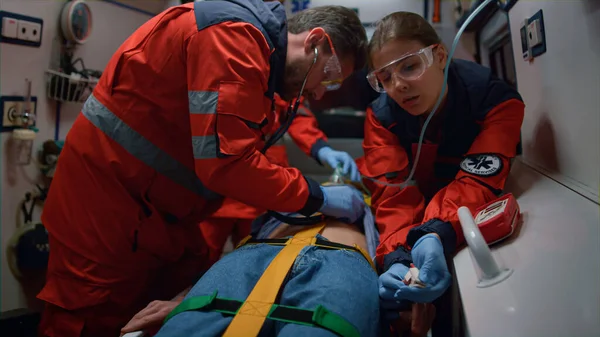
(76, 21)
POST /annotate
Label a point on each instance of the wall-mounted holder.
(69, 88)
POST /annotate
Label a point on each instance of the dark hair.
(341, 24)
(402, 25)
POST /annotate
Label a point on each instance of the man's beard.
(292, 82)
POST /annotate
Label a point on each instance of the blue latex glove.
(334, 158)
(389, 284)
(428, 256)
(343, 202)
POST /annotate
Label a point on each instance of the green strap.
(331, 321)
(320, 317)
(194, 303)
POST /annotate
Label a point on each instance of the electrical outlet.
(29, 31)
(21, 29)
(35, 32)
(12, 108)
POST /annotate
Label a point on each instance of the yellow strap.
(366, 255)
(243, 242)
(252, 314)
(367, 200)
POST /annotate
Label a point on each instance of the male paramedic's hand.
(343, 202)
(334, 158)
(428, 256)
(151, 317)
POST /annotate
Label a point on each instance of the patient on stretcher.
(332, 278)
(340, 281)
(331, 289)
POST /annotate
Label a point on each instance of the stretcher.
(261, 304)
(250, 314)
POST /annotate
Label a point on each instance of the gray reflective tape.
(203, 102)
(205, 147)
(303, 111)
(280, 141)
(143, 149)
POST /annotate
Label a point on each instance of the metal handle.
(492, 273)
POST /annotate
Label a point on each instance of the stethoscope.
(291, 112)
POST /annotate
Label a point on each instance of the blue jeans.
(341, 281)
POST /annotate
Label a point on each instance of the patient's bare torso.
(334, 231)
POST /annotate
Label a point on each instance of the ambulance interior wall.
(112, 25)
(561, 88)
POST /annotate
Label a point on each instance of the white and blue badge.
(484, 165)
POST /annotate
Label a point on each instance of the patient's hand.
(151, 317)
(416, 322)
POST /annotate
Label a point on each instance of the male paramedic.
(465, 153)
(178, 121)
(233, 219)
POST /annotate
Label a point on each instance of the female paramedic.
(465, 155)
(176, 122)
(234, 218)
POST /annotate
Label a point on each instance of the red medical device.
(498, 219)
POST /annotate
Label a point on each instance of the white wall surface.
(112, 25)
(561, 89)
(152, 6)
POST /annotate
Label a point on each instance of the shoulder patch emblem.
(484, 165)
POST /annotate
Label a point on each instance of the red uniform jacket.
(465, 159)
(304, 131)
(172, 126)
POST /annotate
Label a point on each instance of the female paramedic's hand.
(428, 256)
(151, 317)
(390, 284)
(343, 202)
(334, 158)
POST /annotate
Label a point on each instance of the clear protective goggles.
(333, 70)
(408, 68)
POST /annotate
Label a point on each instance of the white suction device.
(491, 272)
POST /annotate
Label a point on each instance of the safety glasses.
(408, 68)
(333, 70)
